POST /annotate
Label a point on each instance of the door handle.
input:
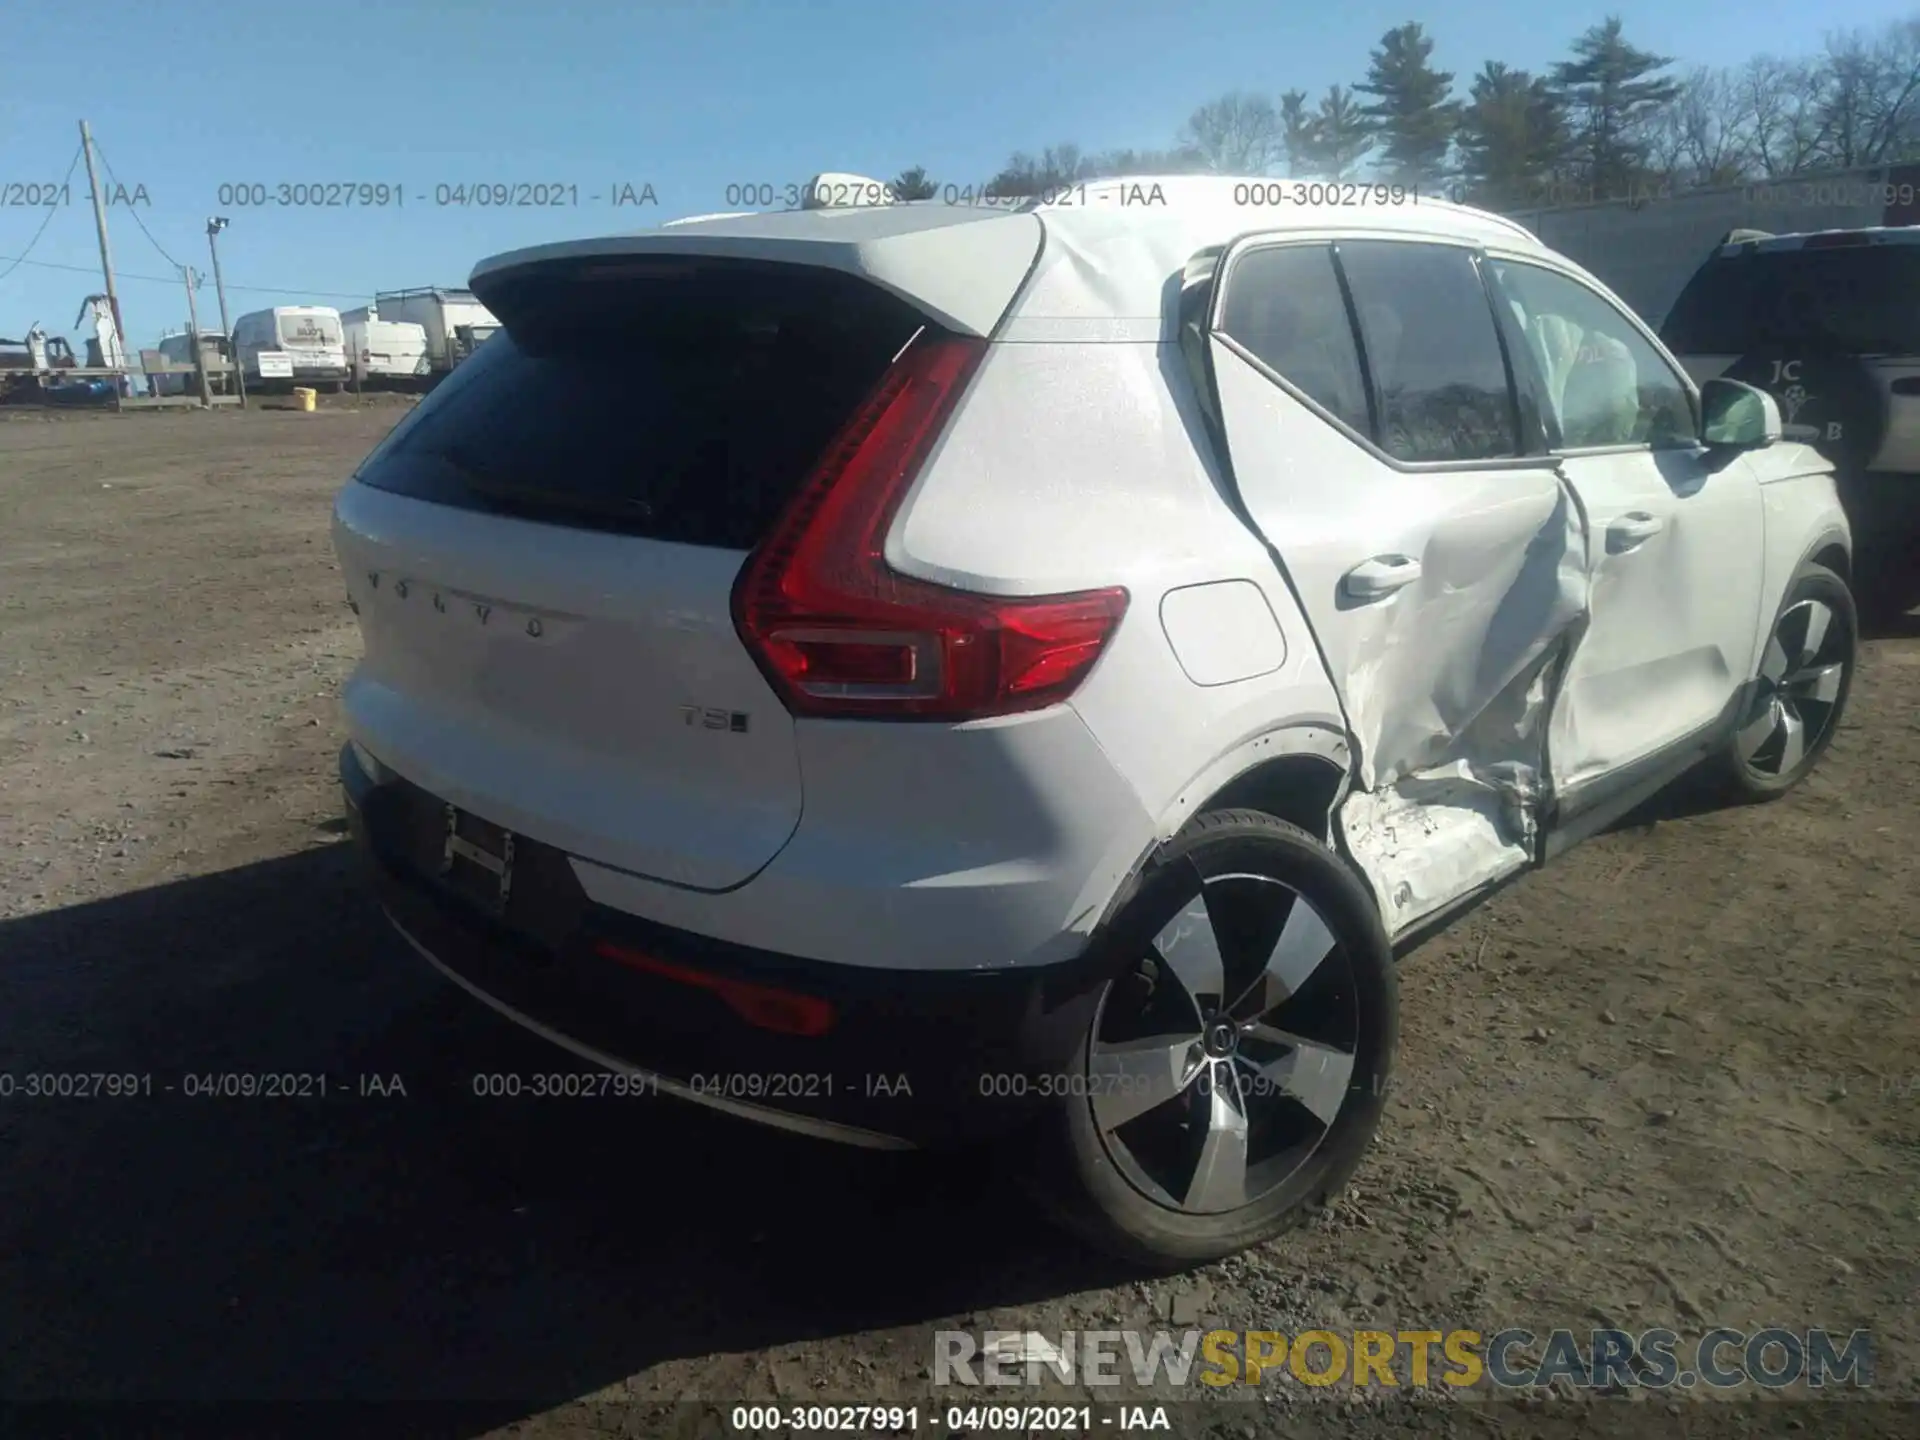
(1633, 528)
(1382, 575)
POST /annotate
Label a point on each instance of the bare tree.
(1238, 133)
(1182, 160)
(1705, 135)
(1057, 167)
(1869, 96)
(1783, 113)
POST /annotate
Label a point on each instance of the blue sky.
(688, 96)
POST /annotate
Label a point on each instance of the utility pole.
(193, 331)
(106, 254)
(215, 224)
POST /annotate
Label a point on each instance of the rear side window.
(677, 398)
(1439, 374)
(1852, 299)
(1284, 306)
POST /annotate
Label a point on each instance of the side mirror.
(1735, 416)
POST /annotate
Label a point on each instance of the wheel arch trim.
(1321, 743)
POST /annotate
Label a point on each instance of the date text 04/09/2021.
(953, 1419)
(197, 1085)
(460, 195)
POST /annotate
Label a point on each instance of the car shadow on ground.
(1897, 627)
(432, 1244)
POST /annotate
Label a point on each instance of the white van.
(455, 321)
(310, 336)
(383, 351)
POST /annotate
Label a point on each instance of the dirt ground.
(1674, 1081)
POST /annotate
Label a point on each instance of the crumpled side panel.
(1454, 755)
(1415, 704)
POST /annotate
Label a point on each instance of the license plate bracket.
(476, 860)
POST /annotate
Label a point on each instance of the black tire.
(1233, 864)
(1745, 775)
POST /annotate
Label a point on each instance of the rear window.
(1858, 300)
(309, 330)
(670, 397)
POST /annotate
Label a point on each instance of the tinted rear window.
(309, 330)
(678, 399)
(1862, 300)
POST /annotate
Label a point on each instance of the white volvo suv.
(922, 674)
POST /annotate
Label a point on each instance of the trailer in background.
(1646, 247)
(455, 322)
(381, 351)
(172, 371)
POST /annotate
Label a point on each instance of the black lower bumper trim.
(930, 1058)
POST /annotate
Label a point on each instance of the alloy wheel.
(1802, 676)
(1219, 1065)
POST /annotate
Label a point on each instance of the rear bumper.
(913, 1057)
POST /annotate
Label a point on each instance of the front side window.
(1605, 384)
(1285, 308)
(1439, 373)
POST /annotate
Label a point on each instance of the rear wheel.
(1236, 1065)
(1799, 693)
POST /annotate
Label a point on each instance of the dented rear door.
(1379, 447)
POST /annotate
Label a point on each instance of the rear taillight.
(839, 633)
(766, 1007)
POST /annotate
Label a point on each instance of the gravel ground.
(1674, 1081)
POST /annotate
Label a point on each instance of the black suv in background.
(1829, 325)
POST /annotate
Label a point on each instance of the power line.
(175, 280)
(21, 259)
(134, 210)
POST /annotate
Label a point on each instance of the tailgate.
(543, 553)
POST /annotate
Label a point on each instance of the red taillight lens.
(839, 633)
(785, 1012)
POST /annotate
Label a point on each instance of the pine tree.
(1341, 135)
(1296, 133)
(914, 185)
(1512, 138)
(1610, 90)
(1410, 111)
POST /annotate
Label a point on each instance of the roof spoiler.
(1745, 237)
